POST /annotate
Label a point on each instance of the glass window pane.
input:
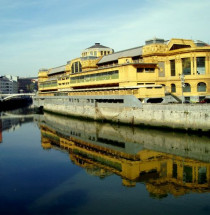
(173, 71)
(202, 179)
(201, 87)
(187, 88)
(187, 174)
(174, 170)
(173, 88)
(186, 66)
(200, 65)
(140, 70)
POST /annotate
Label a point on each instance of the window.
(201, 87)
(173, 88)
(186, 66)
(202, 179)
(187, 99)
(87, 78)
(76, 67)
(95, 53)
(72, 68)
(173, 70)
(187, 88)
(149, 70)
(140, 70)
(187, 174)
(96, 77)
(200, 65)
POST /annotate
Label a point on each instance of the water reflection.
(167, 162)
(12, 120)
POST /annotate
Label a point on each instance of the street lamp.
(181, 76)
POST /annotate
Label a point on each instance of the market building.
(179, 68)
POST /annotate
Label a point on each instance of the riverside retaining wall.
(132, 111)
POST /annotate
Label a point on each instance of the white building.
(8, 84)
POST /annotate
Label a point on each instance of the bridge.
(16, 116)
(5, 97)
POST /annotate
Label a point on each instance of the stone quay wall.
(175, 116)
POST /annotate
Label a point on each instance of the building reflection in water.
(12, 121)
(167, 162)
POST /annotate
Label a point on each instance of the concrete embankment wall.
(179, 116)
(176, 116)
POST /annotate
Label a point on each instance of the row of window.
(188, 174)
(201, 87)
(94, 53)
(63, 78)
(97, 100)
(186, 66)
(146, 70)
(48, 84)
(85, 78)
(96, 77)
(65, 83)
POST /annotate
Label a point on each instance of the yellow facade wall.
(162, 53)
(158, 57)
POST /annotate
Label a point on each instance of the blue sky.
(38, 34)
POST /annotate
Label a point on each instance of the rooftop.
(133, 52)
(97, 45)
(58, 69)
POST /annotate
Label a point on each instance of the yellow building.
(181, 59)
(178, 68)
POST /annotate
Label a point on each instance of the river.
(51, 164)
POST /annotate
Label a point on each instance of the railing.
(4, 97)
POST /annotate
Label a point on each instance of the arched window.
(173, 88)
(201, 87)
(187, 88)
(76, 67)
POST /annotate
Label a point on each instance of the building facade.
(179, 67)
(183, 67)
(8, 84)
